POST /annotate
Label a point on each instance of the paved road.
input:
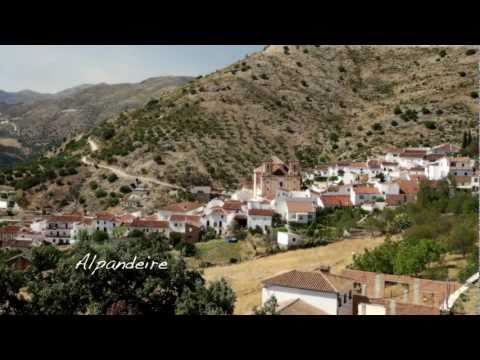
(123, 174)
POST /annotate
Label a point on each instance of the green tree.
(216, 299)
(413, 259)
(45, 257)
(269, 307)
(463, 238)
(380, 259)
(69, 290)
(11, 282)
(100, 236)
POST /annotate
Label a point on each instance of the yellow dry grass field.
(245, 278)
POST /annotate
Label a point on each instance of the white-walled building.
(105, 222)
(286, 240)
(301, 211)
(216, 218)
(364, 194)
(410, 158)
(260, 218)
(331, 294)
(59, 229)
(454, 166)
(387, 188)
(86, 224)
(184, 208)
(150, 226)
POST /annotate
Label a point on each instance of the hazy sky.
(50, 68)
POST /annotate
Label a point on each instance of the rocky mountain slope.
(314, 103)
(24, 96)
(28, 127)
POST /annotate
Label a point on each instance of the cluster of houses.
(352, 292)
(276, 188)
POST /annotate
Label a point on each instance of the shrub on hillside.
(125, 189)
(100, 193)
(408, 115)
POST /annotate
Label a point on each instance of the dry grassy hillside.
(49, 120)
(316, 103)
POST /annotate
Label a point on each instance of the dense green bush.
(408, 115)
(430, 125)
(100, 193)
(125, 189)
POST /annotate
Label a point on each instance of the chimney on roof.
(392, 307)
(324, 268)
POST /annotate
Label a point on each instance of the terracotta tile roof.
(126, 219)
(463, 180)
(260, 212)
(393, 200)
(392, 150)
(149, 224)
(408, 187)
(217, 210)
(298, 307)
(191, 219)
(417, 168)
(459, 159)
(312, 280)
(65, 218)
(336, 200)
(365, 189)
(86, 221)
(358, 165)
(9, 230)
(105, 217)
(418, 178)
(300, 206)
(183, 207)
(406, 308)
(413, 153)
(434, 157)
(389, 163)
(232, 205)
(374, 164)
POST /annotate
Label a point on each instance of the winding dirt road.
(123, 174)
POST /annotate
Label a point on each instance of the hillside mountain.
(313, 103)
(24, 96)
(30, 127)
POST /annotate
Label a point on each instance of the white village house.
(328, 294)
